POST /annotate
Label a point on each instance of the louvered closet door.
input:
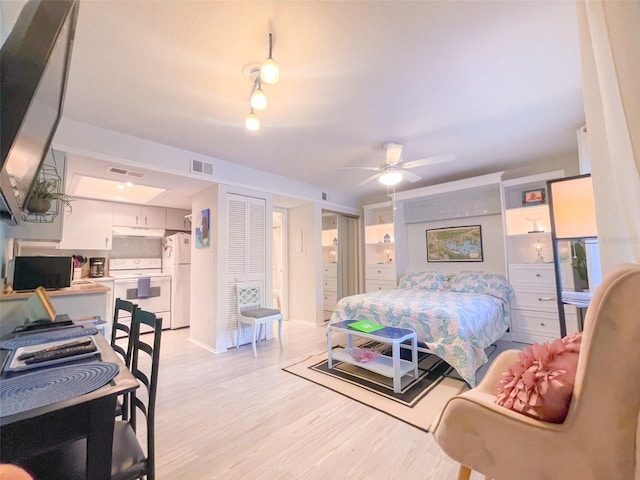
(246, 256)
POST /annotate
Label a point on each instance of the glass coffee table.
(392, 367)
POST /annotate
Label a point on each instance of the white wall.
(107, 145)
(204, 277)
(492, 246)
(305, 264)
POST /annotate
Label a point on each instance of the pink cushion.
(540, 384)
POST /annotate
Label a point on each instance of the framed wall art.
(533, 197)
(202, 230)
(455, 244)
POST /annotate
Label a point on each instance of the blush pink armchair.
(599, 439)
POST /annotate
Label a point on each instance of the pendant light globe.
(269, 71)
(258, 99)
(252, 122)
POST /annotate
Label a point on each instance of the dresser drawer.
(532, 275)
(330, 270)
(383, 271)
(329, 300)
(329, 283)
(542, 323)
(377, 285)
(542, 300)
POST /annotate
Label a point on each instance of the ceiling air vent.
(122, 171)
(202, 168)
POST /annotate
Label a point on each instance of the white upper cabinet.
(176, 219)
(88, 226)
(128, 215)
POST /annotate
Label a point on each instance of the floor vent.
(202, 168)
(122, 171)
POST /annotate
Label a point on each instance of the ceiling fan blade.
(412, 177)
(394, 153)
(374, 169)
(429, 161)
(367, 180)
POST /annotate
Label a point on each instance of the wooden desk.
(25, 435)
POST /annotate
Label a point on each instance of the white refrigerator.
(176, 260)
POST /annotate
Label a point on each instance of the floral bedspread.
(456, 326)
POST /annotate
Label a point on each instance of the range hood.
(138, 232)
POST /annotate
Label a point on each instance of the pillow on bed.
(540, 383)
(481, 282)
(424, 280)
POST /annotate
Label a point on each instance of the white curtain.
(610, 53)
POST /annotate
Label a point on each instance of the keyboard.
(45, 356)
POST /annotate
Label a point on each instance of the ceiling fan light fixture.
(390, 178)
(252, 122)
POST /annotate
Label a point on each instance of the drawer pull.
(546, 299)
(537, 275)
(542, 324)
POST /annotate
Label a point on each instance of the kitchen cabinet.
(88, 226)
(176, 219)
(110, 302)
(128, 215)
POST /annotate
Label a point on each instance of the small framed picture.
(533, 197)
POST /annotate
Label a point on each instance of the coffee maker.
(96, 267)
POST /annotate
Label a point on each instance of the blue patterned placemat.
(44, 337)
(52, 385)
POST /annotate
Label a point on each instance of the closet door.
(246, 255)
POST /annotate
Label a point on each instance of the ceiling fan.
(395, 170)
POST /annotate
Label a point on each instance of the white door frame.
(285, 261)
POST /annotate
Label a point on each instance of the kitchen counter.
(78, 287)
(83, 299)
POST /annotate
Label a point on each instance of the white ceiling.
(497, 83)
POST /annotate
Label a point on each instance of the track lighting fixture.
(268, 73)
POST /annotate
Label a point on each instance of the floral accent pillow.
(540, 384)
(424, 280)
(480, 282)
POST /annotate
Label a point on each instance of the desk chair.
(122, 306)
(250, 312)
(599, 437)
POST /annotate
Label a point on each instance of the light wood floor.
(232, 416)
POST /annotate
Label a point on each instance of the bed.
(456, 317)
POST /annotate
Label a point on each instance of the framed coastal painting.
(455, 244)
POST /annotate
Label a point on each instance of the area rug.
(419, 401)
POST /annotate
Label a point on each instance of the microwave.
(51, 273)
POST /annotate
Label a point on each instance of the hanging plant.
(43, 193)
